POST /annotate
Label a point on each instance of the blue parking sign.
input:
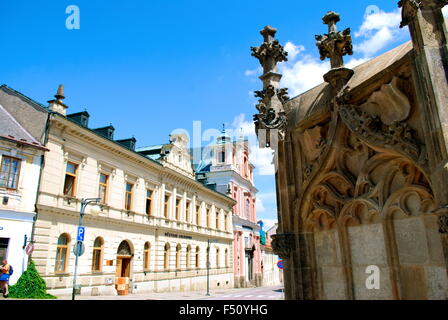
(81, 231)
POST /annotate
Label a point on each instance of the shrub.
(30, 285)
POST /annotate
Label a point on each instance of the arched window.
(247, 208)
(178, 249)
(146, 255)
(97, 259)
(188, 257)
(197, 257)
(166, 257)
(62, 253)
(217, 258)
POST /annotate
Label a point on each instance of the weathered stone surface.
(327, 248)
(411, 241)
(333, 283)
(437, 283)
(363, 169)
(367, 245)
(413, 283)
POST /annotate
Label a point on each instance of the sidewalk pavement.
(190, 295)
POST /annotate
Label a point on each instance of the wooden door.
(126, 267)
(119, 267)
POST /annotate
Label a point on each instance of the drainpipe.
(42, 164)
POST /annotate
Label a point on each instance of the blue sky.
(149, 67)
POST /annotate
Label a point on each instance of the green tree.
(30, 285)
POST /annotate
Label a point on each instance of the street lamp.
(84, 204)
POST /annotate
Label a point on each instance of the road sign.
(280, 264)
(79, 248)
(29, 248)
(81, 232)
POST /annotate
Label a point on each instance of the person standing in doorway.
(6, 272)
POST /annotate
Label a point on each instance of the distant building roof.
(10, 129)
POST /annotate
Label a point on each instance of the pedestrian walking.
(6, 272)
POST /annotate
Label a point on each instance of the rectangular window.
(178, 203)
(208, 218)
(128, 198)
(102, 192)
(4, 248)
(148, 202)
(198, 211)
(217, 220)
(70, 179)
(9, 172)
(187, 215)
(167, 206)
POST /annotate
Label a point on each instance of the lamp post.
(84, 204)
(208, 267)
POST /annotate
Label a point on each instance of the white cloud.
(293, 50)
(445, 12)
(250, 73)
(378, 30)
(302, 74)
(259, 205)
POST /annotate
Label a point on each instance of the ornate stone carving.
(411, 7)
(283, 244)
(268, 117)
(270, 52)
(389, 103)
(360, 183)
(335, 44)
(271, 114)
(397, 136)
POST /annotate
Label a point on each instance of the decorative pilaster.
(430, 74)
(58, 104)
(271, 114)
(334, 45)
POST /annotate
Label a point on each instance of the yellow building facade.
(151, 228)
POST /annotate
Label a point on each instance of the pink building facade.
(227, 167)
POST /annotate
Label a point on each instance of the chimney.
(58, 104)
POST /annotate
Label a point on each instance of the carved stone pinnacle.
(268, 33)
(335, 44)
(331, 18)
